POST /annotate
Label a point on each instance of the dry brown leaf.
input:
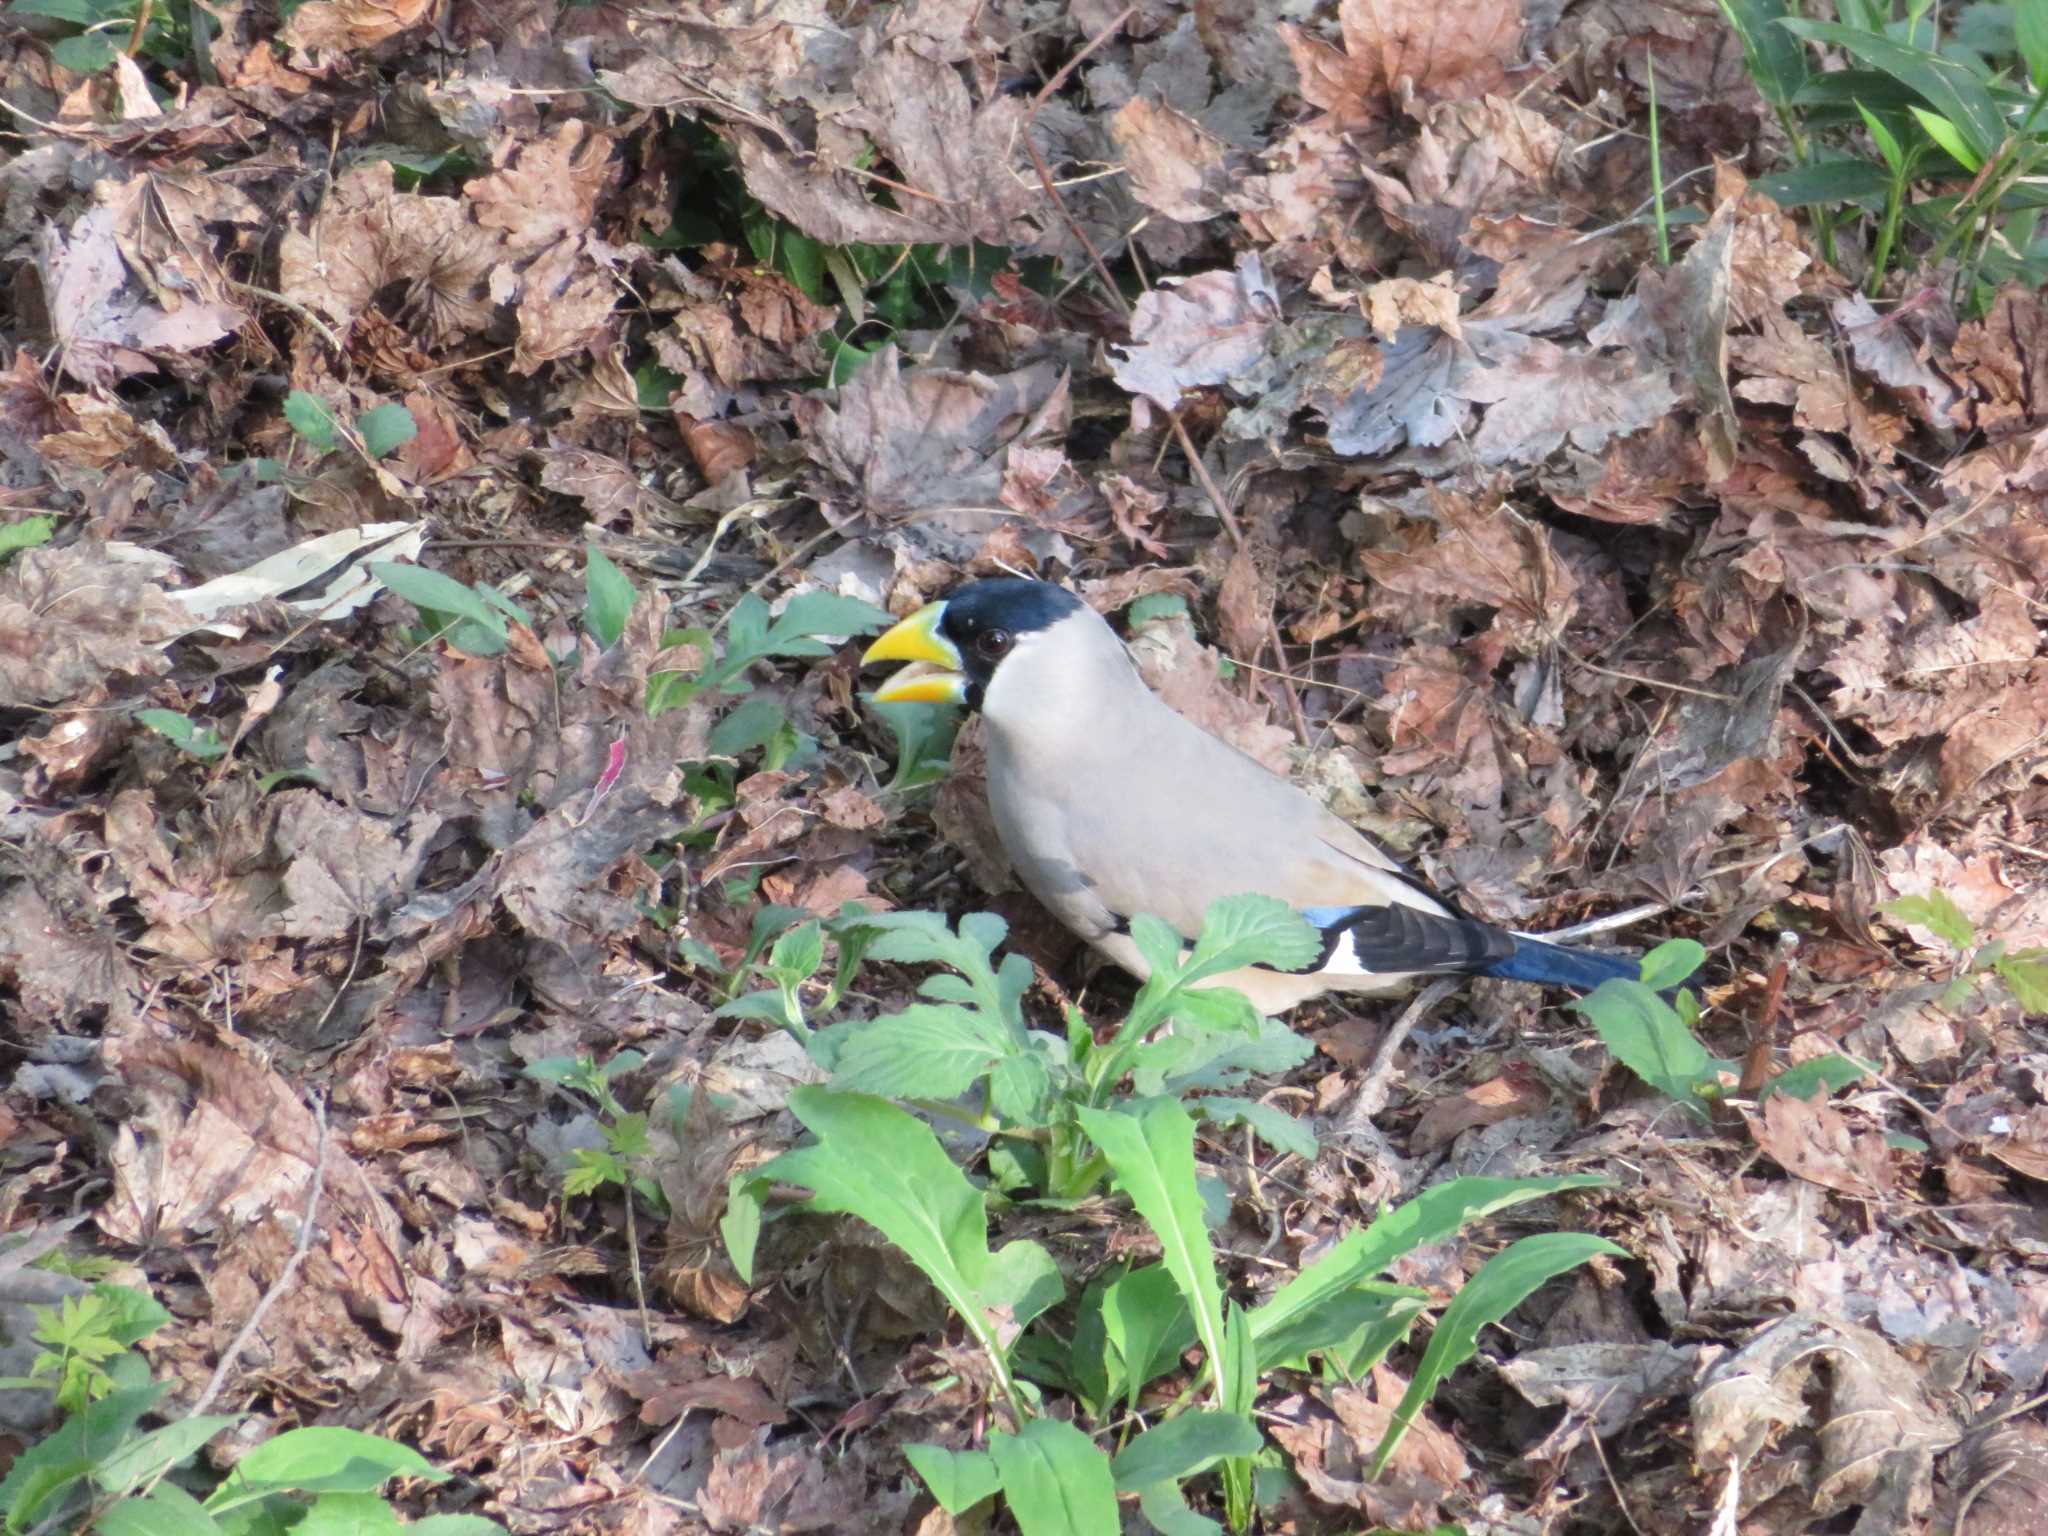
(1197, 331)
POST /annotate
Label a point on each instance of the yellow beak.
(934, 675)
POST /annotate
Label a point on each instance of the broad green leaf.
(1185, 1445)
(1826, 181)
(1670, 963)
(321, 1458)
(1822, 1075)
(1650, 1039)
(928, 1051)
(62, 1456)
(349, 1514)
(607, 599)
(1156, 605)
(750, 724)
(798, 953)
(168, 1511)
(740, 1226)
(2030, 35)
(1275, 1127)
(1146, 1321)
(959, 1480)
(310, 417)
(1952, 88)
(2025, 973)
(86, 54)
(1339, 1319)
(32, 1490)
(435, 593)
(1431, 1217)
(828, 613)
(1936, 913)
(80, 13)
(1252, 930)
(26, 533)
(1775, 60)
(875, 1161)
(1176, 1064)
(1944, 133)
(137, 1461)
(203, 742)
(385, 429)
(1056, 1481)
(1503, 1283)
(1152, 1150)
(1167, 1512)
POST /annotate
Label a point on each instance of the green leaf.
(1152, 1150)
(432, 592)
(80, 13)
(1503, 1283)
(1822, 1075)
(1650, 1039)
(607, 599)
(1887, 143)
(740, 1226)
(1431, 1217)
(828, 613)
(959, 1480)
(203, 742)
(385, 429)
(1354, 1318)
(2025, 973)
(61, 1457)
(2030, 36)
(1185, 1445)
(26, 533)
(749, 725)
(1252, 930)
(169, 1511)
(136, 1461)
(1167, 1512)
(86, 54)
(309, 416)
(1275, 1127)
(1826, 181)
(1146, 1322)
(1952, 88)
(321, 1458)
(1775, 61)
(1670, 963)
(885, 1166)
(928, 1051)
(349, 1514)
(1945, 133)
(1936, 913)
(1056, 1481)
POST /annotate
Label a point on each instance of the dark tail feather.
(1553, 965)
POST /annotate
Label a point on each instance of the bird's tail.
(1554, 965)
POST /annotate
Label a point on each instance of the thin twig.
(1371, 1096)
(307, 1222)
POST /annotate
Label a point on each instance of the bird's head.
(955, 646)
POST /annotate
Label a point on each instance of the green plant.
(201, 741)
(472, 619)
(1949, 100)
(1654, 1037)
(2024, 972)
(378, 432)
(100, 1470)
(25, 533)
(874, 1160)
(108, 28)
(623, 1160)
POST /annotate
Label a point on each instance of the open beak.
(934, 675)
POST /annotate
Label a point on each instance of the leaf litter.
(1581, 580)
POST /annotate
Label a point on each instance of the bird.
(1110, 803)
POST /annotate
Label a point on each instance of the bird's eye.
(993, 644)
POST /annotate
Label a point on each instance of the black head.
(984, 619)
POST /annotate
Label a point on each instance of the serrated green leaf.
(385, 429)
(1056, 1481)
(1936, 913)
(1503, 1283)
(959, 1480)
(928, 1051)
